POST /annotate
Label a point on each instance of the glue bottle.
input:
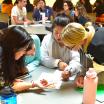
(90, 87)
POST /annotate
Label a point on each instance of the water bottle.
(90, 87)
(43, 17)
(8, 99)
(7, 96)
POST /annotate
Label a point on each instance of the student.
(42, 8)
(15, 43)
(19, 13)
(69, 9)
(81, 15)
(55, 55)
(75, 36)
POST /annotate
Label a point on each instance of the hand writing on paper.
(62, 65)
(65, 75)
(45, 84)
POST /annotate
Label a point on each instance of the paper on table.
(54, 80)
(100, 98)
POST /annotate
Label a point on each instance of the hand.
(44, 82)
(65, 75)
(29, 22)
(62, 65)
(21, 86)
(79, 81)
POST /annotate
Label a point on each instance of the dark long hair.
(11, 40)
(7, 1)
(58, 5)
(70, 4)
(61, 20)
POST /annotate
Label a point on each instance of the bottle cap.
(91, 73)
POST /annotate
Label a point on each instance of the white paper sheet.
(53, 79)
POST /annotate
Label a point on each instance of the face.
(31, 52)
(41, 4)
(65, 6)
(57, 34)
(23, 3)
(20, 53)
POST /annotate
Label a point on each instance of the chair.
(3, 25)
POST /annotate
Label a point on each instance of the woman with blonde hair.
(76, 37)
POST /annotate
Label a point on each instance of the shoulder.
(35, 39)
(47, 7)
(14, 8)
(47, 37)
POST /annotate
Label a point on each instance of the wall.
(52, 1)
(47, 2)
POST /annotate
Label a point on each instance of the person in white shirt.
(19, 13)
(55, 55)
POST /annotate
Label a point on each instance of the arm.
(36, 14)
(74, 65)
(46, 57)
(20, 85)
(16, 16)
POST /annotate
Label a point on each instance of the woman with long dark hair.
(15, 42)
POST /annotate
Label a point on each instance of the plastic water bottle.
(8, 99)
(43, 17)
(90, 87)
(8, 96)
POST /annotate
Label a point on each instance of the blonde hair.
(73, 33)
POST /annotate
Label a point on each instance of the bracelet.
(33, 84)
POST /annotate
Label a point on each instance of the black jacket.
(96, 47)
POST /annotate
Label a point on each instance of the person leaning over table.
(19, 13)
(15, 43)
(75, 36)
(55, 55)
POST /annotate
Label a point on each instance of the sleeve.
(47, 59)
(14, 11)
(36, 15)
(34, 60)
(74, 65)
(24, 11)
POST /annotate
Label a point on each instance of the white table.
(65, 95)
(34, 29)
(38, 29)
